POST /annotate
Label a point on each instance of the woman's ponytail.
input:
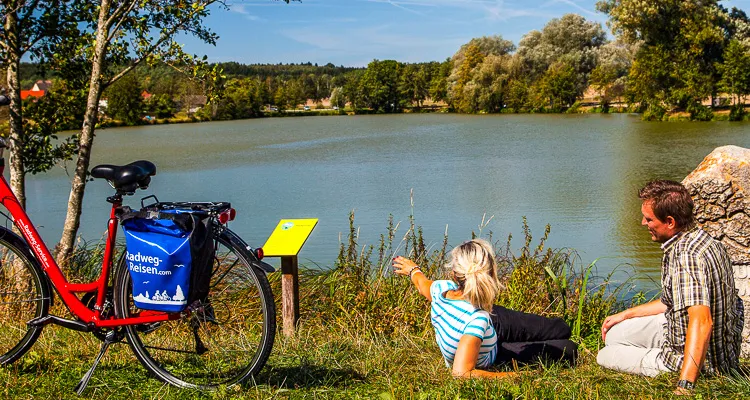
(474, 267)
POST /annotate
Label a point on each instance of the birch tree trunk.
(75, 202)
(17, 175)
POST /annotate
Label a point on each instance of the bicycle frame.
(67, 290)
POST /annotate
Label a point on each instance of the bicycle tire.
(238, 333)
(24, 295)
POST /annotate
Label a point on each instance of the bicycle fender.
(247, 251)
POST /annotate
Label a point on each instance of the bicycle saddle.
(126, 178)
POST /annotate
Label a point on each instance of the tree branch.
(163, 38)
(120, 14)
(31, 8)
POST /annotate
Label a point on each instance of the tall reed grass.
(361, 293)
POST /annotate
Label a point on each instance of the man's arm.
(699, 330)
(644, 310)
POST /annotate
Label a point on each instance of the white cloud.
(573, 4)
(377, 42)
(242, 10)
(239, 8)
(494, 9)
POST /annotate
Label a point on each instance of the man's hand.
(611, 321)
(651, 308)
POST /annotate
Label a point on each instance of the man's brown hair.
(669, 198)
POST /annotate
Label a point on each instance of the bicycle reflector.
(227, 215)
(259, 253)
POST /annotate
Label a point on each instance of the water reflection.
(661, 151)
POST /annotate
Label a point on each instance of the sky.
(354, 32)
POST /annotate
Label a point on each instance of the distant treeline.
(668, 56)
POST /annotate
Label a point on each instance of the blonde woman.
(472, 333)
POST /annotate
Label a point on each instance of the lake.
(578, 173)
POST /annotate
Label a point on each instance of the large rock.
(720, 187)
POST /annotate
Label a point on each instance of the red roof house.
(31, 93)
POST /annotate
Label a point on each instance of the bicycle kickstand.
(108, 339)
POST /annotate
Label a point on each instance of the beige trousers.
(633, 346)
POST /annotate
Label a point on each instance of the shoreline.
(721, 114)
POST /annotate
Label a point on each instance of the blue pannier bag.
(167, 260)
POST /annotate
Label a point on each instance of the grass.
(366, 334)
(322, 362)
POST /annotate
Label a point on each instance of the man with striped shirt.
(696, 324)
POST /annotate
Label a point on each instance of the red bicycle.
(221, 340)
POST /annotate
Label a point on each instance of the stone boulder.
(720, 188)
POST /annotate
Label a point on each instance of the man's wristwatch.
(685, 384)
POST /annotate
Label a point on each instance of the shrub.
(699, 112)
(737, 113)
(654, 113)
(361, 292)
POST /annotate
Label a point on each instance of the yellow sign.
(288, 237)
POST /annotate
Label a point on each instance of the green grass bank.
(365, 333)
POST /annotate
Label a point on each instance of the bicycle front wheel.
(24, 295)
(223, 342)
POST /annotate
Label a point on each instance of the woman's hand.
(403, 266)
(406, 267)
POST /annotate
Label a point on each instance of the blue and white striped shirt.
(455, 318)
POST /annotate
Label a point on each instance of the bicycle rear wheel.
(224, 342)
(24, 295)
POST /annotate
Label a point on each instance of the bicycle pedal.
(206, 314)
(148, 328)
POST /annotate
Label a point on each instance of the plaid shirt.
(696, 270)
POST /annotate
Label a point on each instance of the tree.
(492, 78)
(124, 100)
(379, 86)
(29, 28)
(439, 82)
(351, 89)
(178, 296)
(463, 66)
(570, 39)
(558, 86)
(517, 95)
(466, 59)
(60, 109)
(115, 38)
(681, 42)
(735, 74)
(414, 84)
(337, 97)
(240, 100)
(161, 105)
(610, 75)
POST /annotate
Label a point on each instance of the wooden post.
(285, 242)
(289, 294)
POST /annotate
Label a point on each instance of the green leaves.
(681, 47)
(124, 100)
(61, 109)
(735, 70)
